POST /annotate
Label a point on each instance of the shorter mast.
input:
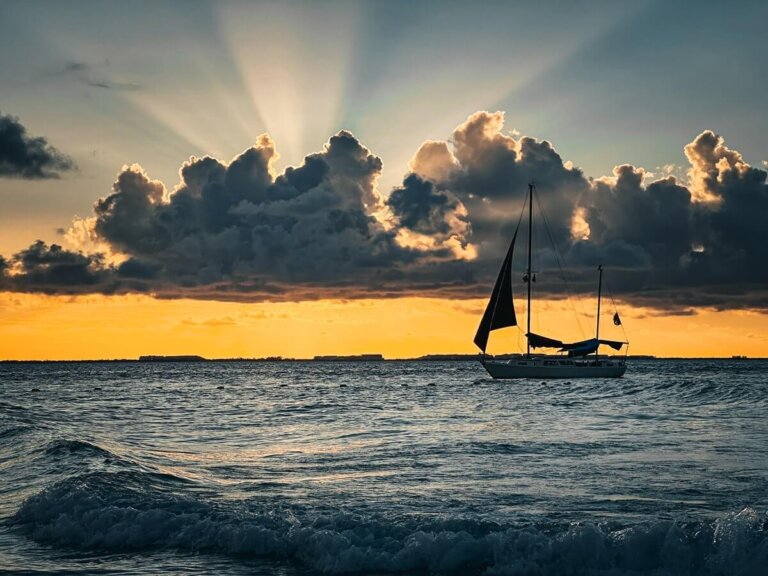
(599, 294)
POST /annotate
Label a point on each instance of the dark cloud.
(489, 171)
(669, 245)
(24, 156)
(135, 268)
(732, 229)
(237, 231)
(421, 207)
(52, 269)
(698, 245)
(636, 226)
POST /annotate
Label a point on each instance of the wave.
(9, 406)
(58, 448)
(13, 431)
(117, 512)
(548, 449)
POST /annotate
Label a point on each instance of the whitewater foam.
(118, 512)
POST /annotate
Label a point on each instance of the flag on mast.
(616, 319)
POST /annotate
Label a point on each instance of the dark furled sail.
(500, 311)
(582, 348)
(612, 343)
(538, 341)
(585, 347)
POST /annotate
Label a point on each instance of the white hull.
(549, 367)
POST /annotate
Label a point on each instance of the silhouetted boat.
(574, 360)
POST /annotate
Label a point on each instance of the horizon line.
(166, 359)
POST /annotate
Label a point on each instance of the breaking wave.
(131, 511)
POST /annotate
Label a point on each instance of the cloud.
(419, 206)
(23, 156)
(434, 161)
(92, 76)
(626, 217)
(239, 231)
(488, 171)
(703, 244)
(53, 269)
(670, 244)
(235, 231)
(237, 223)
(732, 231)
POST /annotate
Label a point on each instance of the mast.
(599, 293)
(528, 273)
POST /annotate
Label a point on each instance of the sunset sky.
(247, 179)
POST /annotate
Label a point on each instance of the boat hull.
(555, 367)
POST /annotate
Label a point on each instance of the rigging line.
(615, 311)
(522, 211)
(563, 268)
(537, 241)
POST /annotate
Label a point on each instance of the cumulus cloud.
(239, 231)
(732, 231)
(236, 231)
(434, 161)
(488, 171)
(700, 244)
(24, 156)
(672, 244)
(419, 206)
(52, 269)
(654, 221)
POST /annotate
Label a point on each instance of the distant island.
(181, 358)
(352, 358)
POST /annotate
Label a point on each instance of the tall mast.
(528, 273)
(599, 293)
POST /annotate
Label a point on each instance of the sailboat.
(574, 360)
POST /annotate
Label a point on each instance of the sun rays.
(296, 81)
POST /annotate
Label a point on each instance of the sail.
(538, 341)
(585, 347)
(582, 348)
(500, 311)
(615, 344)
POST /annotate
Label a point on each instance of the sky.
(299, 178)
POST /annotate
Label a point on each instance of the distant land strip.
(152, 358)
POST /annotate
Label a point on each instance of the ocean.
(295, 468)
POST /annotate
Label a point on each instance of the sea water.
(300, 468)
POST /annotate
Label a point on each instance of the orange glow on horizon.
(37, 327)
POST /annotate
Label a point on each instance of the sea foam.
(139, 512)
